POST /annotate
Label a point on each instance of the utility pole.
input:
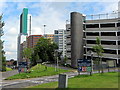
(30, 26)
(44, 29)
(67, 21)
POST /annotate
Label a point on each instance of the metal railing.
(103, 16)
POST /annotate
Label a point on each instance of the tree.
(2, 57)
(45, 50)
(15, 63)
(99, 50)
(27, 53)
(33, 60)
(65, 59)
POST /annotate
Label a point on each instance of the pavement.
(22, 83)
(4, 75)
(9, 73)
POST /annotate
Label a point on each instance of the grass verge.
(37, 71)
(105, 80)
(8, 69)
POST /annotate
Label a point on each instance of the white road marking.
(10, 83)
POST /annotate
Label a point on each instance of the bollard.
(63, 81)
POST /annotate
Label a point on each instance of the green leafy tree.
(99, 50)
(65, 59)
(45, 49)
(33, 60)
(27, 53)
(15, 63)
(2, 57)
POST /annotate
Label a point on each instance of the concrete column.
(76, 38)
(18, 48)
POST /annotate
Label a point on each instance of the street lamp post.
(44, 29)
(91, 54)
(56, 61)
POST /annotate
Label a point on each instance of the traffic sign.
(83, 69)
(89, 69)
(84, 65)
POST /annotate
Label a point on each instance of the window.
(92, 25)
(118, 33)
(84, 50)
(91, 42)
(118, 51)
(36, 36)
(108, 42)
(92, 33)
(68, 51)
(118, 42)
(88, 49)
(107, 25)
(56, 32)
(108, 34)
(68, 43)
(110, 51)
(118, 24)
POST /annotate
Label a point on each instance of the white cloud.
(37, 31)
(11, 55)
(21, 5)
(53, 15)
(50, 16)
(111, 7)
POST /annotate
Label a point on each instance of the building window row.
(108, 42)
(102, 42)
(92, 33)
(105, 51)
(102, 34)
(110, 51)
(106, 25)
(108, 34)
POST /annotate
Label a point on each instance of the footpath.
(9, 73)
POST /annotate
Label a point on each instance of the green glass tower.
(23, 21)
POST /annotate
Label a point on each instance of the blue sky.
(53, 14)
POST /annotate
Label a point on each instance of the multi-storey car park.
(109, 33)
(82, 32)
(81, 36)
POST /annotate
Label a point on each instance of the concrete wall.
(76, 38)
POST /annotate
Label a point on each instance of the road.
(4, 75)
(21, 83)
(33, 81)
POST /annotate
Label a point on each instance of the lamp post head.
(44, 25)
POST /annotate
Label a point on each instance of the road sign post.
(84, 65)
